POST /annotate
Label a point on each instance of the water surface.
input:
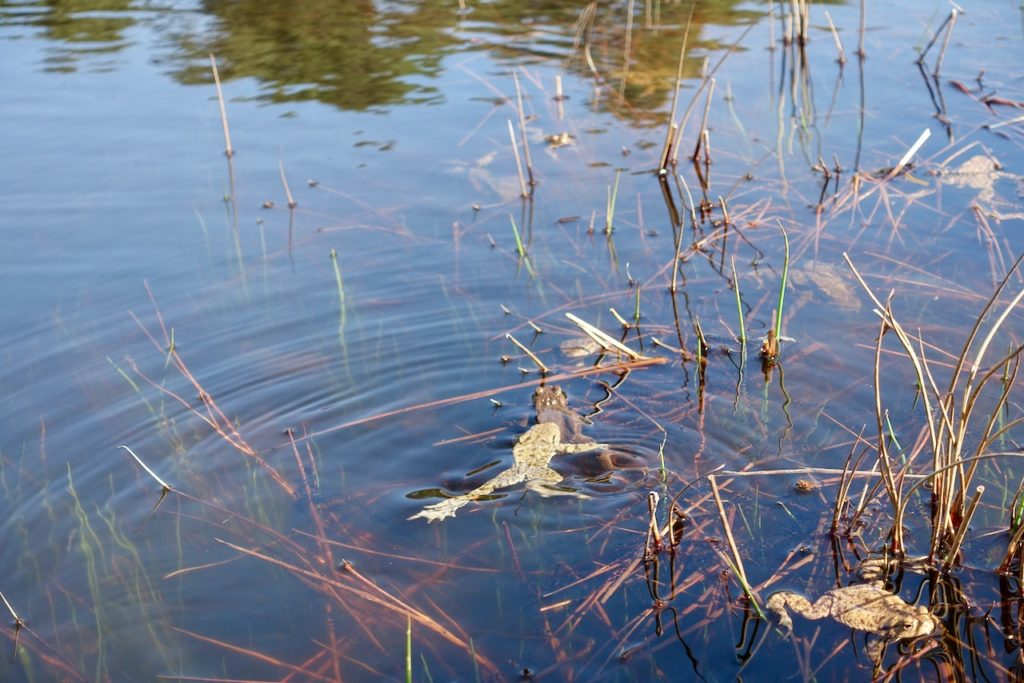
(306, 378)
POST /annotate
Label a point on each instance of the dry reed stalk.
(522, 130)
(803, 16)
(530, 354)
(666, 148)
(884, 461)
(254, 654)
(693, 101)
(513, 551)
(949, 413)
(373, 594)
(689, 200)
(725, 211)
(921, 139)
(228, 149)
(841, 58)
(945, 42)
(622, 321)
(18, 623)
(606, 342)
(861, 54)
(704, 119)
(163, 484)
(325, 549)
(1012, 548)
(961, 532)
(652, 544)
(214, 417)
(47, 653)
(624, 366)
(629, 565)
(791, 471)
(737, 559)
(559, 97)
(845, 481)
(935, 36)
(519, 164)
(396, 556)
(627, 49)
(670, 134)
(287, 190)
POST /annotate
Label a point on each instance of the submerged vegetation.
(867, 466)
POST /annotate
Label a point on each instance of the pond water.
(308, 340)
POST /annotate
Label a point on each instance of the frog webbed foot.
(439, 512)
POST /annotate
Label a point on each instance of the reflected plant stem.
(627, 48)
(693, 101)
(673, 127)
(342, 311)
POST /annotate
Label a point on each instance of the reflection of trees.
(367, 53)
(354, 55)
(78, 29)
(363, 54)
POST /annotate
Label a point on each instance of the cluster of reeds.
(965, 425)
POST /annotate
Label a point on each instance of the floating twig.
(603, 339)
(530, 354)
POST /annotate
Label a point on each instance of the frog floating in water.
(864, 606)
(558, 430)
(552, 406)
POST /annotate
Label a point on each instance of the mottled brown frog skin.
(552, 407)
(865, 607)
(558, 430)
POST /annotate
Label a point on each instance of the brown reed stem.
(462, 398)
(559, 97)
(522, 131)
(530, 354)
(861, 54)
(519, 164)
(228, 149)
(375, 595)
(935, 37)
(835, 37)
(673, 127)
(961, 532)
(737, 560)
(704, 118)
(287, 190)
(945, 41)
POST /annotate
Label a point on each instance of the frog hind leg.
(543, 480)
